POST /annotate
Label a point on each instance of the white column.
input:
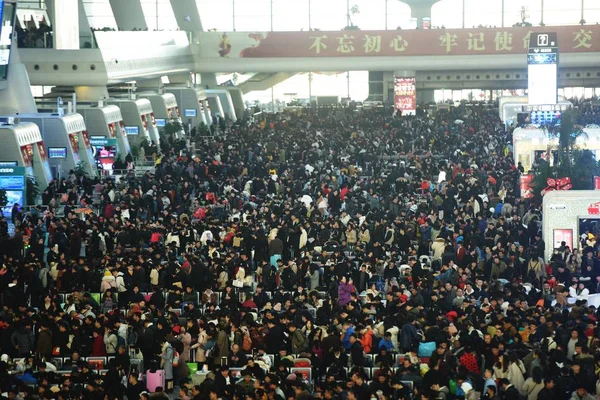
(64, 15)
(187, 15)
(129, 14)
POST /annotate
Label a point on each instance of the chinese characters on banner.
(27, 153)
(42, 151)
(405, 95)
(421, 42)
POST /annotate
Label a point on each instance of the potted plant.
(33, 190)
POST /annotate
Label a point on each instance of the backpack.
(132, 336)
(121, 341)
(247, 342)
(175, 362)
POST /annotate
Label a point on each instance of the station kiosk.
(139, 120)
(106, 121)
(189, 100)
(22, 143)
(227, 107)
(67, 142)
(165, 109)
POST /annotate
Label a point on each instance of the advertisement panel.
(405, 95)
(525, 182)
(563, 235)
(12, 180)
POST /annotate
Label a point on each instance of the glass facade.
(286, 15)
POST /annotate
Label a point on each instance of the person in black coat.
(356, 351)
(275, 338)
(223, 382)
(149, 344)
(548, 392)
(509, 391)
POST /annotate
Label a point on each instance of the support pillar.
(425, 96)
(180, 79)
(154, 85)
(129, 14)
(91, 93)
(64, 15)
(187, 15)
(420, 9)
(208, 79)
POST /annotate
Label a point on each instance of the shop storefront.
(567, 216)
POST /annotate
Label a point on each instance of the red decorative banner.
(405, 94)
(393, 43)
(27, 154)
(557, 184)
(525, 185)
(112, 130)
(74, 140)
(86, 139)
(42, 151)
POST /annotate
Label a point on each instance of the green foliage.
(33, 190)
(81, 169)
(3, 198)
(172, 128)
(542, 173)
(203, 130)
(584, 162)
(568, 134)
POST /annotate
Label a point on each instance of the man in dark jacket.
(509, 391)
(409, 337)
(275, 338)
(149, 343)
(22, 340)
(356, 351)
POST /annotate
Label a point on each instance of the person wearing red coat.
(98, 347)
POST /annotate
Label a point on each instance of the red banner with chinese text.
(27, 154)
(418, 42)
(74, 140)
(42, 151)
(405, 94)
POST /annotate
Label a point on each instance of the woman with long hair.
(515, 371)
(534, 384)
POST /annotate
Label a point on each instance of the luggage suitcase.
(155, 379)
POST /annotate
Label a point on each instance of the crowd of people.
(336, 254)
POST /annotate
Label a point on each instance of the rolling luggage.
(155, 379)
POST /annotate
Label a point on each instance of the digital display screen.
(189, 112)
(7, 17)
(542, 80)
(107, 152)
(8, 182)
(132, 130)
(549, 58)
(160, 122)
(57, 152)
(405, 94)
